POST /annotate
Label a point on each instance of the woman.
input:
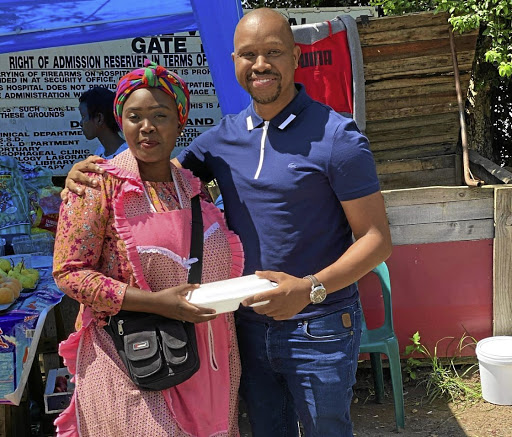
(124, 245)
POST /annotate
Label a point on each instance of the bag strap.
(196, 243)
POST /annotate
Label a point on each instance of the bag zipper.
(120, 329)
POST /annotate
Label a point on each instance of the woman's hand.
(174, 305)
(77, 176)
(170, 302)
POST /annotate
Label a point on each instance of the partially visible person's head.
(265, 57)
(151, 107)
(96, 109)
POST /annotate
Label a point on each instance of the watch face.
(318, 294)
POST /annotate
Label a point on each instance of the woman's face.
(151, 125)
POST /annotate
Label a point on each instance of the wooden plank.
(498, 172)
(417, 151)
(375, 108)
(441, 232)
(412, 141)
(430, 45)
(411, 165)
(438, 108)
(412, 82)
(442, 87)
(482, 174)
(422, 135)
(433, 195)
(387, 127)
(502, 263)
(443, 176)
(419, 98)
(441, 212)
(400, 37)
(386, 24)
(437, 64)
(405, 31)
(423, 145)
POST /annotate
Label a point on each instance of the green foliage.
(494, 15)
(443, 379)
(400, 7)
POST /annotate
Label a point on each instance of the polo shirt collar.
(286, 116)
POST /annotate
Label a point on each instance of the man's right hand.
(77, 176)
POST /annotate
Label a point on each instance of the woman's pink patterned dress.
(111, 238)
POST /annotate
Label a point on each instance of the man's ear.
(296, 55)
(100, 118)
(181, 127)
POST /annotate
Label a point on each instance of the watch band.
(313, 280)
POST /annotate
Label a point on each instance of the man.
(97, 121)
(297, 180)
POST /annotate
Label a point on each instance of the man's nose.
(261, 63)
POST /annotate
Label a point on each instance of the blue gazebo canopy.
(37, 24)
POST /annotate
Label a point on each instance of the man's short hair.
(100, 100)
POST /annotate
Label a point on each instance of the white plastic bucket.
(495, 362)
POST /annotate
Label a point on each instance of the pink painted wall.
(439, 289)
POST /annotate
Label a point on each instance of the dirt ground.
(422, 419)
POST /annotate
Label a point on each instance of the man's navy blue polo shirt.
(282, 182)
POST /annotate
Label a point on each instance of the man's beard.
(266, 100)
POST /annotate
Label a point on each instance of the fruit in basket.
(16, 286)
(26, 280)
(13, 284)
(6, 295)
(5, 265)
(34, 273)
(19, 266)
(27, 277)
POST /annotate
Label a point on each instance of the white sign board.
(39, 89)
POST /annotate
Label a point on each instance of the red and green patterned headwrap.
(152, 76)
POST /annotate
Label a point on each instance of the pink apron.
(201, 404)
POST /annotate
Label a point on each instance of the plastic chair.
(383, 340)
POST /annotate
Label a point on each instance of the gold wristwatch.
(318, 292)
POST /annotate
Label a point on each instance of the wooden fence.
(411, 102)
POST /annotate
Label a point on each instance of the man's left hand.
(290, 296)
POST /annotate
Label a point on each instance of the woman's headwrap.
(152, 76)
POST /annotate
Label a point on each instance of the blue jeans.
(300, 369)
